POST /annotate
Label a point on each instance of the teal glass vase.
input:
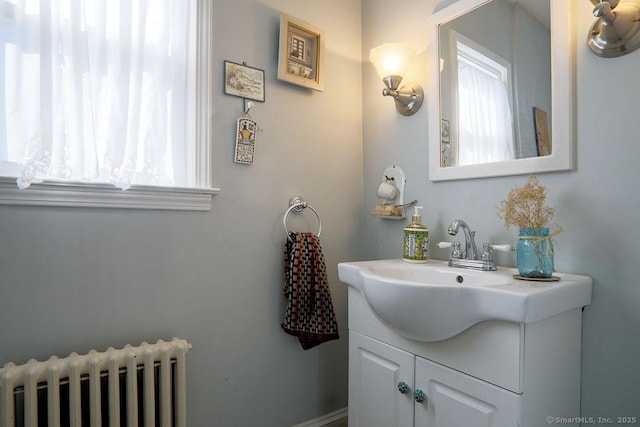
(535, 253)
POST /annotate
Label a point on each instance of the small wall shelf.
(392, 208)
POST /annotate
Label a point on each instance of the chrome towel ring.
(297, 204)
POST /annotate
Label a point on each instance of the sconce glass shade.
(391, 59)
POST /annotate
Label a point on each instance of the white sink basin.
(433, 302)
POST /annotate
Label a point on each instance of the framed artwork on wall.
(243, 81)
(301, 53)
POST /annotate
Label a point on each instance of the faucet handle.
(487, 247)
(502, 248)
(486, 252)
(487, 255)
(456, 253)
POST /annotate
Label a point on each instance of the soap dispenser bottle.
(416, 239)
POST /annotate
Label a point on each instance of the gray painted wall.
(76, 279)
(597, 204)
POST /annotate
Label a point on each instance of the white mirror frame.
(562, 157)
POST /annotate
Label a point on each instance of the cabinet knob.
(419, 396)
(403, 387)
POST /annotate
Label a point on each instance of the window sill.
(106, 196)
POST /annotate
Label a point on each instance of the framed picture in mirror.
(542, 131)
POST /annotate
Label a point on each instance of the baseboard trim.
(325, 419)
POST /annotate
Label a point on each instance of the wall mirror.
(501, 88)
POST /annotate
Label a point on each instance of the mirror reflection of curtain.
(485, 120)
(99, 91)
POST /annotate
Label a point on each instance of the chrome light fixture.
(391, 61)
(616, 30)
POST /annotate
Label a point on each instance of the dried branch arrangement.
(525, 206)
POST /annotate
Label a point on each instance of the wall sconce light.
(391, 61)
(616, 30)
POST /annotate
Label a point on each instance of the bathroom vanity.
(517, 365)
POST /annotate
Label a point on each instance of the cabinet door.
(375, 369)
(454, 399)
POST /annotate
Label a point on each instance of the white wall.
(75, 279)
(597, 204)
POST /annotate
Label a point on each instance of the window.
(485, 118)
(297, 48)
(102, 93)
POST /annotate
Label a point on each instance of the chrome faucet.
(469, 259)
(470, 250)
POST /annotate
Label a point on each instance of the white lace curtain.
(96, 90)
(485, 118)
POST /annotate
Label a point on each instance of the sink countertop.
(456, 298)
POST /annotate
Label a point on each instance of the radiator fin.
(133, 386)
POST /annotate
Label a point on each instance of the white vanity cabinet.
(375, 371)
(496, 373)
(391, 387)
(461, 400)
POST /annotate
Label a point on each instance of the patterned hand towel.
(309, 314)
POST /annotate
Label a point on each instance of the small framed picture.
(445, 155)
(243, 81)
(245, 141)
(301, 53)
(445, 132)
